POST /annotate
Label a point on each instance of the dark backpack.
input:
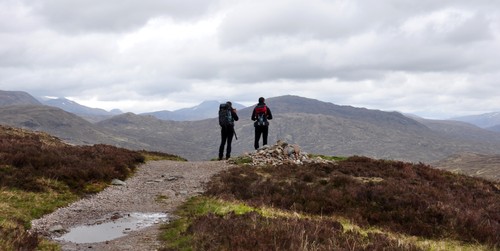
(261, 113)
(225, 116)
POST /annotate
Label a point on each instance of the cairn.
(277, 154)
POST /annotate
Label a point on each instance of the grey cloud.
(252, 21)
(475, 29)
(113, 15)
(391, 49)
(108, 50)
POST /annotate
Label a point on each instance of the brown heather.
(28, 158)
(412, 199)
(252, 231)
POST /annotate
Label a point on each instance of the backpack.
(225, 116)
(261, 113)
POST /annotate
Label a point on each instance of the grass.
(207, 223)
(357, 203)
(325, 157)
(18, 208)
(39, 173)
(155, 156)
(174, 233)
(241, 160)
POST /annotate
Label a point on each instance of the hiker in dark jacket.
(227, 131)
(261, 114)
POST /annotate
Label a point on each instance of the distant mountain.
(494, 128)
(8, 98)
(296, 104)
(482, 120)
(318, 127)
(205, 110)
(463, 132)
(472, 164)
(190, 139)
(64, 125)
(90, 114)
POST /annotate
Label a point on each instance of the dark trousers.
(226, 134)
(261, 130)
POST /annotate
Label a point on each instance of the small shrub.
(47, 174)
(210, 224)
(412, 199)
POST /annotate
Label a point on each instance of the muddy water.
(111, 228)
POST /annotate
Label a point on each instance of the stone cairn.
(277, 154)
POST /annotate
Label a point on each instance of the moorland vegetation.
(354, 204)
(39, 173)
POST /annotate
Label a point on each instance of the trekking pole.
(235, 136)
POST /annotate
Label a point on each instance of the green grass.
(18, 208)
(26, 206)
(175, 234)
(155, 156)
(325, 157)
(241, 160)
(178, 234)
(372, 204)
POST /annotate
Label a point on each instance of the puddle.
(111, 228)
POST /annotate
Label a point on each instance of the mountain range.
(205, 110)
(90, 114)
(317, 127)
(490, 121)
(202, 111)
(8, 98)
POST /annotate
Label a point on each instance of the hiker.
(261, 114)
(227, 116)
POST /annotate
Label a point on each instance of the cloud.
(79, 16)
(430, 57)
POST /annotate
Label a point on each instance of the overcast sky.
(433, 58)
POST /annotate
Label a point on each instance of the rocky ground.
(157, 187)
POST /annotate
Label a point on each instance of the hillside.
(317, 126)
(90, 114)
(472, 164)
(194, 140)
(296, 104)
(494, 128)
(39, 173)
(464, 132)
(8, 98)
(482, 120)
(67, 126)
(372, 204)
(205, 110)
(356, 202)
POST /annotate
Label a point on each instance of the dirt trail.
(157, 187)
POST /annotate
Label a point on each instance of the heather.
(287, 201)
(404, 198)
(210, 224)
(39, 173)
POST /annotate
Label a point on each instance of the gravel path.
(157, 187)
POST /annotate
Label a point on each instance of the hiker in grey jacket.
(261, 114)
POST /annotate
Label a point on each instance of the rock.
(173, 178)
(169, 193)
(277, 154)
(118, 182)
(57, 229)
